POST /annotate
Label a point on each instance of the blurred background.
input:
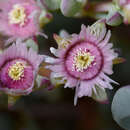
(54, 110)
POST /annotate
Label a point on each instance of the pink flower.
(19, 67)
(19, 18)
(84, 60)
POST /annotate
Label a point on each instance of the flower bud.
(125, 9)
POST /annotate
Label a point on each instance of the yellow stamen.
(17, 15)
(16, 71)
(82, 60)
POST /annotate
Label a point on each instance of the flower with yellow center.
(17, 15)
(86, 63)
(82, 60)
(16, 71)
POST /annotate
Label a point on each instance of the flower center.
(16, 71)
(17, 15)
(82, 60)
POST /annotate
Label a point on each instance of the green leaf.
(31, 43)
(114, 19)
(71, 7)
(121, 107)
(53, 4)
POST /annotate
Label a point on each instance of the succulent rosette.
(84, 61)
(19, 66)
(19, 19)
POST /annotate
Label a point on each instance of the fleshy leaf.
(121, 107)
(31, 43)
(118, 60)
(52, 4)
(100, 95)
(71, 7)
(114, 19)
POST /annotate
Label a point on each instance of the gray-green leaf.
(121, 107)
(71, 7)
(53, 4)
